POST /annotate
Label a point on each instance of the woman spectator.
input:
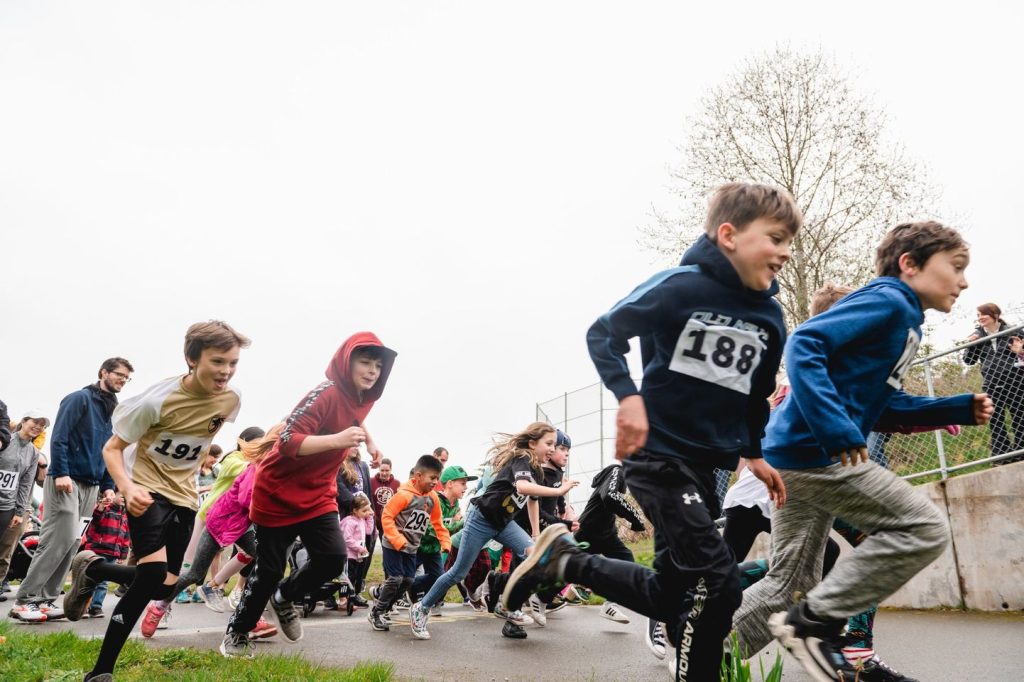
(1002, 378)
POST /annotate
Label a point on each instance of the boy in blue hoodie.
(846, 367)
(712, 340)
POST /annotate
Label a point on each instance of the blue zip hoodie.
(711, 350)
(80, 431)
(846, 367)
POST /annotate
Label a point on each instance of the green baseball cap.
(454, 473)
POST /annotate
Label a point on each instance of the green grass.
(64, 657)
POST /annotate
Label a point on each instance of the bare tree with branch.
(794, 120)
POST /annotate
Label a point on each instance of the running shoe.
(513, 631)
(79, 595)
(183, 597)
(211, 596)
(165, 622)
(154, 614)
(359, 602)
(876, 670)
(287, 617)
(27, 613)
(817, 645)
(262, 630)
(377, 622)
(234, 597)
(556, 605)
(196, 597)
(544, 567)
(538, 610)
(654, 636)
(236, 645)
(95, 612)
(403, 603)
(612, 612)
(418, 617)
(517, 617)
(51, 611)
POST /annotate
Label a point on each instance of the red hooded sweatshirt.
(290, 489)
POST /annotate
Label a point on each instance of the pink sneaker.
(263, 629)
(150, 621)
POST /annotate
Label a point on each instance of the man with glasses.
(77, 475)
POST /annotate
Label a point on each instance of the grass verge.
(65, 657)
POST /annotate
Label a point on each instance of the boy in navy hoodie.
(845, 368)
(712, 340)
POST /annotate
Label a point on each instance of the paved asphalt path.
(578, 644)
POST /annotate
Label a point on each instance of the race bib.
(83, 525)
(418, 521)
(9, 481)
(895, 378)
(176, 451)
(725, 356)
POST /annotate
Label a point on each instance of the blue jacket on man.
(80, 431)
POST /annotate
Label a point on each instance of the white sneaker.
(234, 597)
(538, 610)
(611, 612)
(517, 617)
(418, 617)
(165, 622)
(27, 613)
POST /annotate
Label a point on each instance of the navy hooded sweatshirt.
(712, 348)
(846, 368)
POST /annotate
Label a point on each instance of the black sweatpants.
(695, 586)
(322, 538)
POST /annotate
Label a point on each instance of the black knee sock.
(166, 592)
(149, 578)
(101, 570)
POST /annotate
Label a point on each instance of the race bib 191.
(177, 451)
(9, 481)
(720, 355)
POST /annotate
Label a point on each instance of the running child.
(846, 367)
(228, 524)
(295, 494)
(713, 336)
(164, 431)
(406, 517)
(517, 460)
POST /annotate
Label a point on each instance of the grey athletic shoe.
(79, 595)
(236, 645)
(287, 618)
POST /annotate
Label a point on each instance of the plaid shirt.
(107, 535)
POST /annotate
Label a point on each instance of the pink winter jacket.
(355, 531)
(228, 518)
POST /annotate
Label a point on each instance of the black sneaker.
(95, 611)
(817, 645)
(654, 637)
(513, 631)
(79, 596)
(488, 592)
(102, 677)
(359, 601)
(543, 568)
(877, 670)
(287, 618)
(377, 622)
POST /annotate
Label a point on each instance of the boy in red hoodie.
(296, 490)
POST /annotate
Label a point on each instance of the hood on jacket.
(339, 370)
(601, 476)
(894, 284)
(710, 258)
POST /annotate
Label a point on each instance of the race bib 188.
(720, 355)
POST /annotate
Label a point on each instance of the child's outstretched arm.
(524, 487)
(916, 410)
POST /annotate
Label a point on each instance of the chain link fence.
(993, 364)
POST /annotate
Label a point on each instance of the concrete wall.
(983, 567)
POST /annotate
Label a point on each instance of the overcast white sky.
(464, 179)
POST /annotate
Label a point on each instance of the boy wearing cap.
(17, 472)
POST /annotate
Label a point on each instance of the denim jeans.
(100, 593)
(475, 534)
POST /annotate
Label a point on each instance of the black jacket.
(997, 361)
(5, 431)
(606, 502)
